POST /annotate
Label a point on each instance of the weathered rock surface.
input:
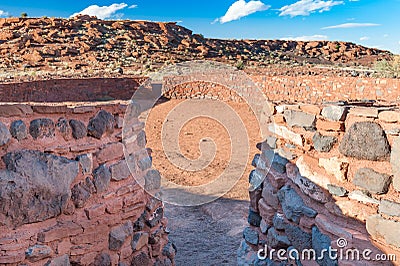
(102, 123)
(102, 177)
(323, 143)
(293, 206)
(35, 186)
(18, 130)
(372, 181)
(300, 119)
(118, 235)
(336, 167)
(365, 141)
(320, 242)
(334, 112)
(79, 129)
(99, 43)
(379, 227)
(5, 135)
(42, 128)
(390, 208)
(64, 128)
(38, 252)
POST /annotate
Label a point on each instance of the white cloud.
(3, 13)
(101, 12)
(132, 6)
(316, 37)
(306, 7)
(385, 35)
(351, 25)
(364, 38)
(241, 9)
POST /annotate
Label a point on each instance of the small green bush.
(389, 68)
(240, 65)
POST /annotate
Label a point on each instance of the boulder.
(35, 187)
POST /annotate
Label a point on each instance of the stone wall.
(70, 90)
(326, 172)
(302, 89)
(67, 195)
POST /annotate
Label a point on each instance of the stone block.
(372, 181)
(336, 167)
(300, 119)
(335, 112)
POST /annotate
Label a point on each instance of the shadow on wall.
(292, 215)
(70, 90)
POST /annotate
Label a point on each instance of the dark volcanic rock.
(42, 128)
(293, 205)
(365, 141)
(100, 124)
(64, 128)
(35, 187)
(102, 177)
(78, 129)
(18, 130)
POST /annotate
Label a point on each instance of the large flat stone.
(300, 119)
(335, 112)
(364, 112)
(378, 227)
(372, 181)
(389, 116)
(285, 133)
(389, 208)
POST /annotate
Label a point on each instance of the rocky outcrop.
(86, 42)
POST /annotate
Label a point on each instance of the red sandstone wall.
(301, 89)
(73, 90)
(119, 223)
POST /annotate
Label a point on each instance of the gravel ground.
(208, 234)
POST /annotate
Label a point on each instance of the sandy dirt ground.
(209, 234)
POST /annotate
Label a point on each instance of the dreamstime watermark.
(342, 253)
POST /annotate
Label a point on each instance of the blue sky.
(367, 22)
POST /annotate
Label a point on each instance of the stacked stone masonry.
(326, 172)
(67, 195)
(301, 89)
